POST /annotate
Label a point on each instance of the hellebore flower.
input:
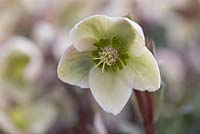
(20, 60)
(109, 56)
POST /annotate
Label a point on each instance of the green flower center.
(110, 55)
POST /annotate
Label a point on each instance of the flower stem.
(145, 104)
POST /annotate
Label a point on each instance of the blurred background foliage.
(34, 35)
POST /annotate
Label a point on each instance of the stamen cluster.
(109, 54)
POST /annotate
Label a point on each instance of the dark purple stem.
(145, 104)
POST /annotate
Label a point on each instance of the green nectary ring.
(109, 54)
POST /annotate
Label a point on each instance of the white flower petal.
(130, 33)
(88, 31)
(142, 73)
(138, 46)
(109, 90)
(74, 67)
(94, 28)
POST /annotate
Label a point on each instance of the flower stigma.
(109, 55)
